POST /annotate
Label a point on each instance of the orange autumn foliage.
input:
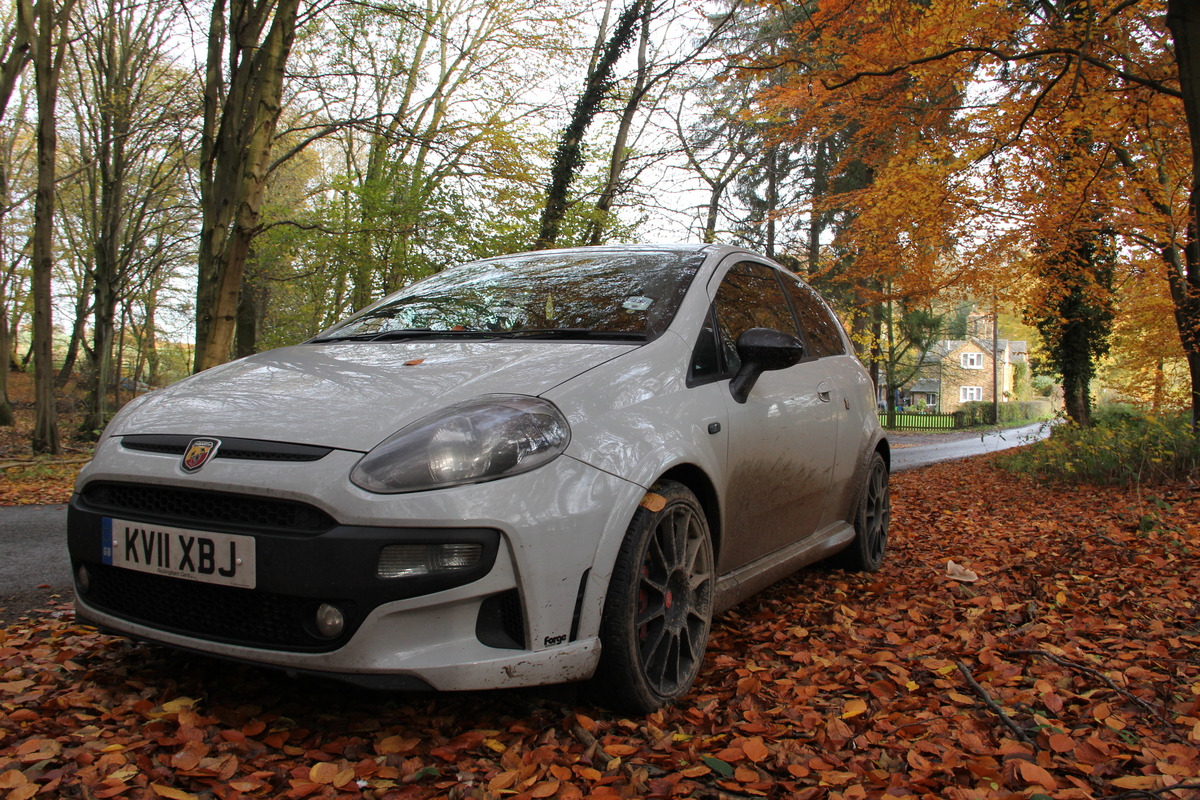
(993, 133)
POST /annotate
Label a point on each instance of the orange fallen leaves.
(46, 483)
(1080, 630)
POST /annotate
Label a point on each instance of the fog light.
(83, 578)
(330, 620)
(407, 560)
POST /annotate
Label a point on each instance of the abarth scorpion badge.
(198, 452)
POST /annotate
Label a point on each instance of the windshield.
(620, 294)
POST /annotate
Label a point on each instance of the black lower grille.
(511, 616)
(501, 622)
(191, 506)
(206, 611)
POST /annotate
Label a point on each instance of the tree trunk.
(104, 331)
(716, 190)
(251, 312)
(48, 61)
(6, 414)
(151, 340)
(892, 388)
(1183, 20)
(816, 220)
(77, 332)
(10, 70)
(1077, 400)
(235, 156)
(773, 198)
(569, 157)
(620, 156)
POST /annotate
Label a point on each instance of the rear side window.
(822, 331)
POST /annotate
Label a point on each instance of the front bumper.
(547, 538)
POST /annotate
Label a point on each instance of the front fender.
(635, 417)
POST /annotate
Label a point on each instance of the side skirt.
(734, 587)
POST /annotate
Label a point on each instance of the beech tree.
(130, 106)
(1101, 66)
(17, 45)
(568, 158)
(657, 65)
(49, 55)
(1183, 263)
(249, 42)
(433, 108)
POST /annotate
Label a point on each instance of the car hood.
(352, 395)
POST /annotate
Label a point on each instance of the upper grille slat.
(189, 507)
(246, 449)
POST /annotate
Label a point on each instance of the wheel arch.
(697, 480)
(879, 444)
(885, 450)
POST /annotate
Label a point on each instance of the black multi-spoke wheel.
(659, 604)
(866, 552)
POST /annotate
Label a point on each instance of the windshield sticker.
(638, 303)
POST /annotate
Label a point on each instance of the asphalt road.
(35, 572)
(923, 455)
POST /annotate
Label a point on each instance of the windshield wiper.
(407, 333)
(573, 333)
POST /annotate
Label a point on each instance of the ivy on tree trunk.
(568, 158)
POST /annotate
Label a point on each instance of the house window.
(972, 360)
(966, 394)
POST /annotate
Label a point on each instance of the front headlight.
(477, 440)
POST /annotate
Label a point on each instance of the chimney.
(979, 325)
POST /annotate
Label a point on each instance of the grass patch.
(1123, 447)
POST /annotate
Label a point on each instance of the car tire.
(871, 523)
(659, 606)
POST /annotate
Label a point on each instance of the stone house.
(957, 371)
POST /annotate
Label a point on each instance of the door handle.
(823, 390)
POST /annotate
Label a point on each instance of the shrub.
(1123, 446)
(1043, 385)
(971, 414)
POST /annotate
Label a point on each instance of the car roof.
(719, 250)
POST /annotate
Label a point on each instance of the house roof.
(926, 386)
(945, 347)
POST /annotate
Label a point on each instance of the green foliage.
(1123, 446)
(1075, 313)
(956, 325)
(1043, 385)
(1021, 386)
(970, 415)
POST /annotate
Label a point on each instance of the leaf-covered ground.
(26, 478)
(1069, 669)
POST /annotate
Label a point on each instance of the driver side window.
(750, 296)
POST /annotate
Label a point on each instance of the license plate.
(203, 556)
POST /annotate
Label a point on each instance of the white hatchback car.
(532, 469)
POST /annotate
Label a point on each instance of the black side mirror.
(762, 349)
